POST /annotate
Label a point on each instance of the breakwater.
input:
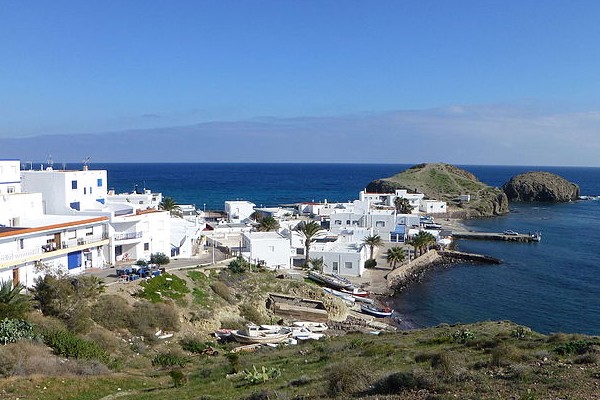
(453, 255)
(495, 236)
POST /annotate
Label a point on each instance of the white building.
(10, 178)
(238, 210)
(137, 228)
(65, 244)
(433, 207)
(343, 256)
(267, 248)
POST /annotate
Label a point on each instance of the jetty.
(459, 255)
(525, 238)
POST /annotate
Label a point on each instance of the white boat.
(306, 334)
(348, 298)
(312, 326)
(331, 281)
(255, 334)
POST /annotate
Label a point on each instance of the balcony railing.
(19, 254)
(82, 241)
(128, 235)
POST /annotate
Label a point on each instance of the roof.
(45, 224)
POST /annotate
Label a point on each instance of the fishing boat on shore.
(355, 291)
(313, 326)
(348, 298)
(254, 334)
(375, 311)
(331, 281)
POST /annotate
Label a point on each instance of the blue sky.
(87, 67)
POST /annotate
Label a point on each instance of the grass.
(495, 364)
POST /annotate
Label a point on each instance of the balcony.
(128, 235)
(82, 241)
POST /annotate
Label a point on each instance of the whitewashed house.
(137, 228)
(238, 210)
(342, 256)
(141, 199)
(270, 249)
(433, 207)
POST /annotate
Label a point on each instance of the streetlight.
(204, 207)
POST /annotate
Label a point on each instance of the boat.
(348, 298)
(536, 236)
(331, 281)
(254, 334)
(375, 311)
(355, 291)
(313, 326)
(303, 333)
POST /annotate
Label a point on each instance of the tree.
(256, 216)
(268, 224)
(317, 264)
(13, 304)
(169, 204)
(308, 230)
(402, 205)
(395, 256)
(422, 240)
(373, 241)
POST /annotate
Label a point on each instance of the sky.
(499, 75)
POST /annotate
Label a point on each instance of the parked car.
(511, 233)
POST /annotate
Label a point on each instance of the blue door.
(74, 260)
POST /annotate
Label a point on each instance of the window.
(71, 234)
(99, 182)
(89, 231)
(73, 184)
(335, 267)
(90, 190)
(10, 189)
(272, 249)
(348, 264)
(337, 222)
(379, 224)
(84, 190)
(21, 244)
(347, 222)
(75, 205)
(146, 246)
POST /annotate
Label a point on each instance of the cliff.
(540, 186)
(446, 182)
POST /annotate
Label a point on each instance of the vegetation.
(403, 206)
(395, 256)
(13, 304)
(309, 231)
(159, 259)
(169, 204)
(267, 224)
(373, 241)
(163, 287)
(12, 330)
(421, 241)
(317, 264)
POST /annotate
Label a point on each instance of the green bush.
(165, 286)
(67, 344)
(195, 346)
(170, 360)
(239, 265)
(179, 379)
(398, 382)
(146, 318)
(463, 336)
(12, 330)
(255, 376)
(370, 263)
(159, 259)
(348, 378)
(576, 347)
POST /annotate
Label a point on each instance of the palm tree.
(395, 256)
(373, 241)
(169, 204)
(267, 224)
(421, 240)
(256, 216)
(317, 263)
(13, 304)
(402, 205)
(308, 230)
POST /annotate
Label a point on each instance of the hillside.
(483, 360)
(446, 182)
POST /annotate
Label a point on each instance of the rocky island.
(447, 182)
(540, 186)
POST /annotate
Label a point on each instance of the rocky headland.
(540, 186)
(447, 182)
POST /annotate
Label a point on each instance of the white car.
(511, 233)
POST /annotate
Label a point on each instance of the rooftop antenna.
(85, 162)
(49, 161)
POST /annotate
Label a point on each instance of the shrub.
(502, 354)
(165, 286)
(12, 330)
(576, 347)
(111, 312)
(146, 318)
(141, 263)
(401, 381)
(195, 346)
(170, 360)
(255, 376)
(179, 379)
(223, 291)
(239, 265)
(252, 314)
(347, 378)
(371, 263)
(159, 259)
(67, 344)
(463, 336)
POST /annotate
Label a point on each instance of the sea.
(550, 286)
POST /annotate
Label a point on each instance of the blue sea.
(551, 286)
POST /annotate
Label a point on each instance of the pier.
(495, 236)
(459, 255)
